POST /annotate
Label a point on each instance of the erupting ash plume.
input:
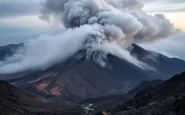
(109, 26)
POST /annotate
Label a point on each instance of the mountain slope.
(164, 99)
(77, 79)
(111, 101)
(16, 102)
(165, 67)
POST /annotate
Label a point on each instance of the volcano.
(78, 78)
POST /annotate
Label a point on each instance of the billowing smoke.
(45, 51)
(110, 26)
(125, 15)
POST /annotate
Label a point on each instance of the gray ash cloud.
(97, 25)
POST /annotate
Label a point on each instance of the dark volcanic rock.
(167, 98)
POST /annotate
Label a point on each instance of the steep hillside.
(16, 102)
(165, 67)
(164, 99)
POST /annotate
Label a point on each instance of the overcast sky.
(19, 22)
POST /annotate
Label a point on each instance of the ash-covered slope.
(77, 78)
(165, 67)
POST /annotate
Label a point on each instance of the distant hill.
(8, 50)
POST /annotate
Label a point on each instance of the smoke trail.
(45, 51)
(103, 25)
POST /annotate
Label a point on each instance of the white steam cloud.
(110, 26)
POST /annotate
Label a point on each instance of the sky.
(19, 22)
